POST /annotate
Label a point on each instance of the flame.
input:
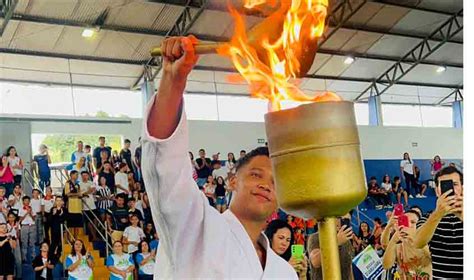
(270, 64)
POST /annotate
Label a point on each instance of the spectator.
(87, 151)
(121, 180)
(299, 236)
(126, 155)
(138, 203)
(79, 263)
(120, 265)
(58, 216)
(131, 183)
(149, 232)
(37, 205)
(104, 198)
(155, 242)
(96, 158)
(116, 160)
(218, 171)
(443, 230)
(7, 178)
(210, 190)
(132, 210)
(73, 193)
(132, 236)
(411, 262)
(3, 205)
(221, 188)
(81, 166)
(88, 204)
(138, 161)
(43, 264)
(15, 200)
(346, 251)
(28, 229)
(13, 228)
(420, 187)
(436, 165)
(242, 154)
(7, 261)
(48, 205)
(15, 163)
(193, 164)
(203, 167)
(118, 215)
(364, 238)
(109, 174)
(230, 164)
(104, 157)
(41, 168)
(377, 195)
(146, 208)
(407, 168)
(290, 221)
(281, 238)
(399, 190)
(79, 153)
(146, 262)
(387, 188)
(377, 233)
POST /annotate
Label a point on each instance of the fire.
(270, 63)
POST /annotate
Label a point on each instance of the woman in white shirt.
(16, 164)
(79, 263)
(209, 190)
(387, 187)
(407, 168)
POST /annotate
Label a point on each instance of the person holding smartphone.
(443, 230)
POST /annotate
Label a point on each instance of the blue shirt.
(147, 268)
(154, 244)
(43, 166)
(120, 262)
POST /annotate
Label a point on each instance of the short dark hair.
(260, 151)
(373, 178)
(87, 146)
(127, 141)
(132, 199)
(447, 171)
(120, 195)
(84, 172)
(73, 172)
(413, 212)
(105, 162)
(35, 190)
(378, 220)
(417, 207)
(26, 197)
(202, 150)
(243, 151)
(396, 178)
(101, 137)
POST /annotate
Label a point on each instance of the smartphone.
(398, 211)
(346, 222)
(297, 251)
(403, 221)
(447, 185)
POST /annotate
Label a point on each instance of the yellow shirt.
(74, 203)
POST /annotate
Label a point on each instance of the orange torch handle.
(199, 49)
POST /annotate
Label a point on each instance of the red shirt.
(437, 166)
(7, 176)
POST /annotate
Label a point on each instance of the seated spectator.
(72, 192)
(411, 262)
(146, 262)
(443, 230)
(210, 190)
(218, 171)
(6, 176)
(364, 238)
(15, 163)
(7, 261)
(221, 189)
(346, 250)
(28, 229)
(117, 217)
(40, 165)
(420, 187)
(79, 263)
(281, 237)
(299, 236)
(387, 188)
(132, 210)
(378, 195)
(399, 190)
(120, 265)
(43, 264)
(104, 197)
(121, 180)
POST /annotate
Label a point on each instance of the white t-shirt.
(386, 186)
(36, 205)
(15, 161)
(28, 219)
(134, 234)
(48, 204)
(407, 166)
(18, 201)
(122, 180)
(88, 200)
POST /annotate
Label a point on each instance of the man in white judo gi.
(195, 240)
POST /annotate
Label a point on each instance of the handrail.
(364, 215)
(30, 179)
(104, 226)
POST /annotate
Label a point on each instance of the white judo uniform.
(195, 240)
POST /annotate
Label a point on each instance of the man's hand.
(344, 235)
(179, 57)
(445, 205)
(458, 207)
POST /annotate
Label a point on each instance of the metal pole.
(62, 246)
(106, 240)
(358, 215)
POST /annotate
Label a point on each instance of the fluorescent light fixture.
(349, 60)
(88, 32)
(441, 69)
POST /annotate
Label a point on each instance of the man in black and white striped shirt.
(443, 230)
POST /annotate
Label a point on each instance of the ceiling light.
(441, 69)
(88, 32)
(349, 60)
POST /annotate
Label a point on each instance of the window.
(415, 115)
(201, 107)
(362, 113)
(241, 109)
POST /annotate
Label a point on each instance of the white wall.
(376, 142)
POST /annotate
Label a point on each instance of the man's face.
(80, 145)
(107, 166)
(102, 141)
(127, 145)
(458, 188)
(85, 177)
(413, 219)
(120, 202)
(35, 194)
(242, 154)
(254, 190)
(202, 154)
(87, 150)
(74, 177)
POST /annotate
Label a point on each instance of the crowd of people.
(106, 187)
